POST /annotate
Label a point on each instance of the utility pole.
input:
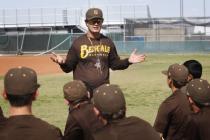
(204, 14)
(181, 17)
(181, 8)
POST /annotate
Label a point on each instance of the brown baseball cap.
(108, 99)
(20, 81)
(74, 90)
(177, 72)
(94, 13)
(199, 91)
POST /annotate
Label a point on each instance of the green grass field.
(143, 84)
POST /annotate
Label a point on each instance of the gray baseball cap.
(199, 91)
(109, 99)
(20, 81)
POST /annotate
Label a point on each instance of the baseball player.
(110, 106)
(21, 89)
(198, 92)
(194, 67)
(81, 121)
(173, 112)
(195, 71)
(92, 54)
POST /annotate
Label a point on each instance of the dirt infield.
(41, 64)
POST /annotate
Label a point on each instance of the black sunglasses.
(94, 21)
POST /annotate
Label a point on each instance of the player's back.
(28, 127)
(131, 128)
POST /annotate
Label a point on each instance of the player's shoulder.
(137, 120)
(44, 125)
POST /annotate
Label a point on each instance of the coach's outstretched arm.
(116, 63)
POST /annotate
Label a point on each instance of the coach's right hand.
(57, 58)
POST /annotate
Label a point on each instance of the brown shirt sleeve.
(162, 119)
(71, 60)
(57, 134)
(72, 130)
(115, 63)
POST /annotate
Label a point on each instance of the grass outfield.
(143, 84)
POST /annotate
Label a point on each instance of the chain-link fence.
(44, 30)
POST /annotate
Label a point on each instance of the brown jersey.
(172, 116)
(81, 122)
(199, 126)
(131, 128)
(28, 127)
(90, 60)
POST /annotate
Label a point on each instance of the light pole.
(181, 17)
(181, 8)
(204, 14)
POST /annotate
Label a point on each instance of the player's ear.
(96, 111)
(4, 95)
(190, 100)
(170, 82)
(36, 94)
(88, 95)
(66, 101)
(190, 77)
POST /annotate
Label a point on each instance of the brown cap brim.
(96, 17)
(165, 72)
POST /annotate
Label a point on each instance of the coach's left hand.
(136, 58)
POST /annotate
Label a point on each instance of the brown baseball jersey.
(90, 60)
(131, 128)
(172, 115)
(199, 126)
(28, 127)
(81, 122)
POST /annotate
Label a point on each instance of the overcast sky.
(158, 8)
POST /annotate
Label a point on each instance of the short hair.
(194, 67)
(84, 99)
(177, 84)
(20, 100)
(114, 116)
